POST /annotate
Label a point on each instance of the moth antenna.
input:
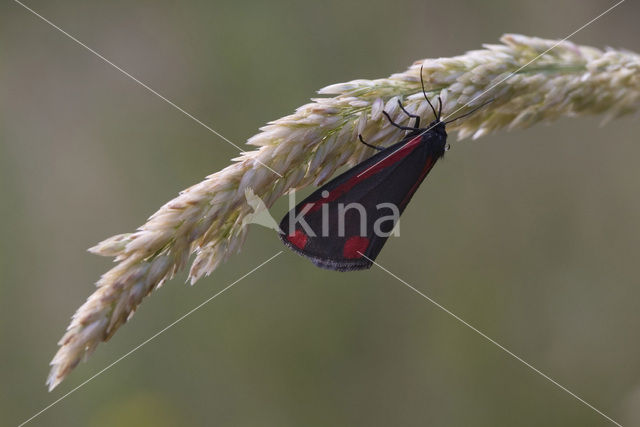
(424, 92)
(470, 112)
(439, 107)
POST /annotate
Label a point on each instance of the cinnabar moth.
(345, 223)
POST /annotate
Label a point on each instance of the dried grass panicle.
(308, 146)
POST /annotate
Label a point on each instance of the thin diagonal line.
(538, 57)
(506, 78)
(497, 344)
(168, 101)
(181, 318)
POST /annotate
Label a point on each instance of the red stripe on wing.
(394, 157)
(427, 167)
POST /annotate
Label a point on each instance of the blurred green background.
(531, 236)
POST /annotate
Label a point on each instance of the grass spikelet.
(308, 146)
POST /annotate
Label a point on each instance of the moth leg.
(375, 147)
(415, 116)
(395, 124)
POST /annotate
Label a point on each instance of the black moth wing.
(335, 235)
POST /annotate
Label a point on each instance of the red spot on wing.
(392, 158)
(354, 247)
(298, 239)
